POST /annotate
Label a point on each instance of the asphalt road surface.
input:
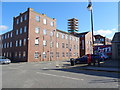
(47, 75)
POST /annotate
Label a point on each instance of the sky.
(105, 15)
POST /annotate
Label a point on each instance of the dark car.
(84, 59)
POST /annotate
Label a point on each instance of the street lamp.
(89, 7)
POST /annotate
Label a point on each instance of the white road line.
(59, 76)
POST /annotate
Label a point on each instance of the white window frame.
(44, 32)
(52, 23)
(57, 35)
(44, 43)
(57, 45)
(36, 41)
(45, 21)
(44, 55)
(37, 29)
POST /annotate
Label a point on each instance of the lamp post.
(89, 7)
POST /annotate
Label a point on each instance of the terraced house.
(35, 38)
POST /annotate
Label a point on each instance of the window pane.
(25, 28)
(37, 30)
(44, 32)
(52, 24)
(36, 41)
(37, 18)
(44, 21)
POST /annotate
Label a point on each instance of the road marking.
(59, 76)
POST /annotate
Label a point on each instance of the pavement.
(107, 66)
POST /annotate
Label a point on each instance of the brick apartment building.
(35, 38)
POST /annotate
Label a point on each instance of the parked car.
(84, 59)
(4, 60)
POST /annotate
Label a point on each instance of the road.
(47, 75)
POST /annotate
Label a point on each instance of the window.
(7, 45)
(8, 35)
(57, 45)
(63, 36)
(51, 54)
(2, 37)
(51, 33)
(16, 43)
(17, 21)
(66, 36)
(52, 24)
(7, 54)
(63, 46)
(44, 32)
(17, 32)
(66, 45)
(21, 19)
(44, 54)
(36, 55)
(25, 17)
(44, 43)
(82, 44)
(5, 36)
(24, 54)
(36, 41)
(20, 30)
(15, 54)
(37, 18)
(57, 54)
(37, 30)
(25, 28)
(10, 44)
(20, 43)
(11, 34)
(63, 54)
(44, 21)
(4, 45)
(10, 54)
(57, 35)
(19, 54)
(66, 54)
(70, 37)
(24, 42)
(74, 47)
(51, 44)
